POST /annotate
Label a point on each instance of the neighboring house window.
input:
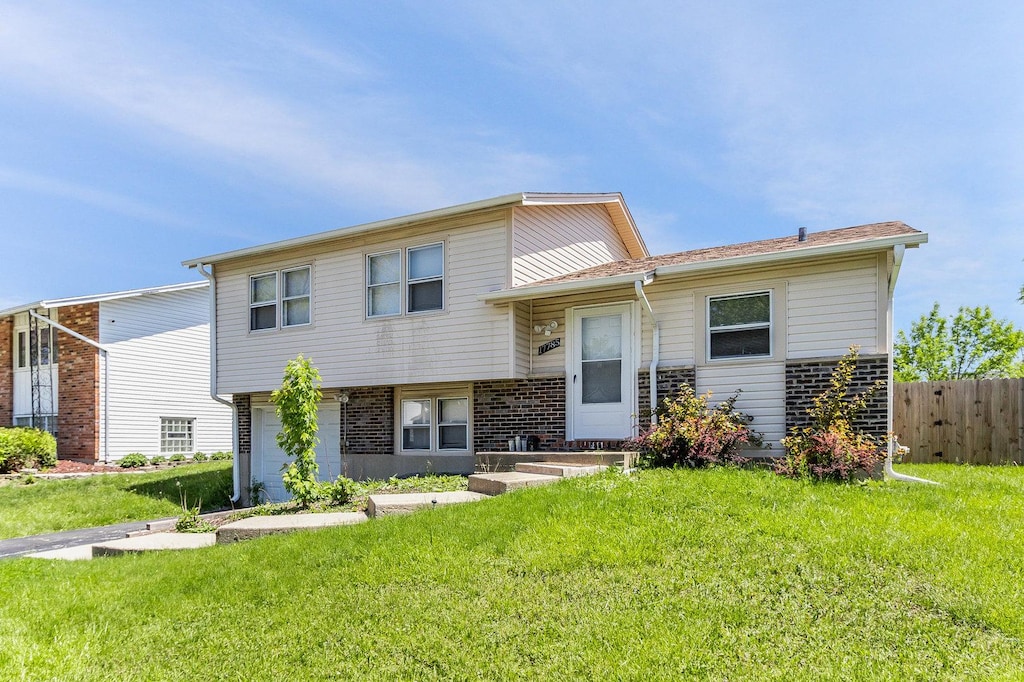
(383, 286)
(435, 423)
(39, 348)
(293, 297)
(46, 422)
(176, 435)
(740, 326)
(422, 279)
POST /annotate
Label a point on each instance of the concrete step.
(505, 481)
(406, 503)
(155, 542)
(559, 469)
(258, 526)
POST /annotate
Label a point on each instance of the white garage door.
(268, 458)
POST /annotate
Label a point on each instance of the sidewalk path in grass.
(15, 547)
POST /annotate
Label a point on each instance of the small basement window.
(740, 326)
(176, 435)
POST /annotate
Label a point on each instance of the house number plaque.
(550, 345)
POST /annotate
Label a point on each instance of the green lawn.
(721, 574)
(65, 504)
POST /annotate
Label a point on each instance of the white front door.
(601, 373)
(268, 458)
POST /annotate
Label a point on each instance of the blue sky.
(135, 135)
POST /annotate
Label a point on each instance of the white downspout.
(897, 261)
(655, 343)
(105, 355)
(236, 482)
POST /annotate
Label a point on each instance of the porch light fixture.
(546, 328)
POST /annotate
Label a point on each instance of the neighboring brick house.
(132, 377)
(443, 334)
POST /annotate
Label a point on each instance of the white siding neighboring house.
(444, 334)
(144, 389)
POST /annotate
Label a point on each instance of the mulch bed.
(70, 466)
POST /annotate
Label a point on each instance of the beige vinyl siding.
(159, 366)
(554, 240)
(763, 394)
(832, 307)
(468, 340)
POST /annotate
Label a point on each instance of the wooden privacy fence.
(971, 422)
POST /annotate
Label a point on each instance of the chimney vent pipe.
(802, 235)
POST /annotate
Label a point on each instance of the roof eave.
(574, 286)
(98, 298)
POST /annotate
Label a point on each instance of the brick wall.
(669, 382)
(371, 420)
(243, 406)
(805, 380)
(78, 393)
(509, 407)
(7, 371)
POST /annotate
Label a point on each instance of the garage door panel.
(269, 459)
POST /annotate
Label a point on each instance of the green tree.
(972, 344)
(297, 402)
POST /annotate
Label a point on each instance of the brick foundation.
(807, 379)
(371, 420)
(669, 382)
(7, 371)
(78, 393)
(509, 407)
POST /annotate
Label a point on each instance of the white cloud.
(351, 149)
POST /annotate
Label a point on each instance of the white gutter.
(655, 345)
(105, 354)
(235, 480)
(897, 261)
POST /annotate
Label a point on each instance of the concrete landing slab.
(156, 542)
(79, 553)
(406, 503)
(258, 526)
(504, 481)
(559, 469)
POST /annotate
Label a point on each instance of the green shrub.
(156, 459)
(690, 433)
(830, 448)
(133, 460)
(190, 521)
(217, 456)
(178, 457)
(22, 447)
(337, 492)
(200, 457)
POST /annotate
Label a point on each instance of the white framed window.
(176, 435)
(383, 284)
(45, 422)
(435, 422)
(426, 278)
(288, 291)
(39, 348)
(409, 281)
(739, 325)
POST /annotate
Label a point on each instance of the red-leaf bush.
(690, 433)
(830, 448)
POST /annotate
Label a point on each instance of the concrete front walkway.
(149, 536)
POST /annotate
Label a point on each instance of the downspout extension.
(897, 261)
(655, 342)
(236, 482)
(105, 354)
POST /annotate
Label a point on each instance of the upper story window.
(422, 279)
(39, 348)
(740, 325)
(287, 291)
